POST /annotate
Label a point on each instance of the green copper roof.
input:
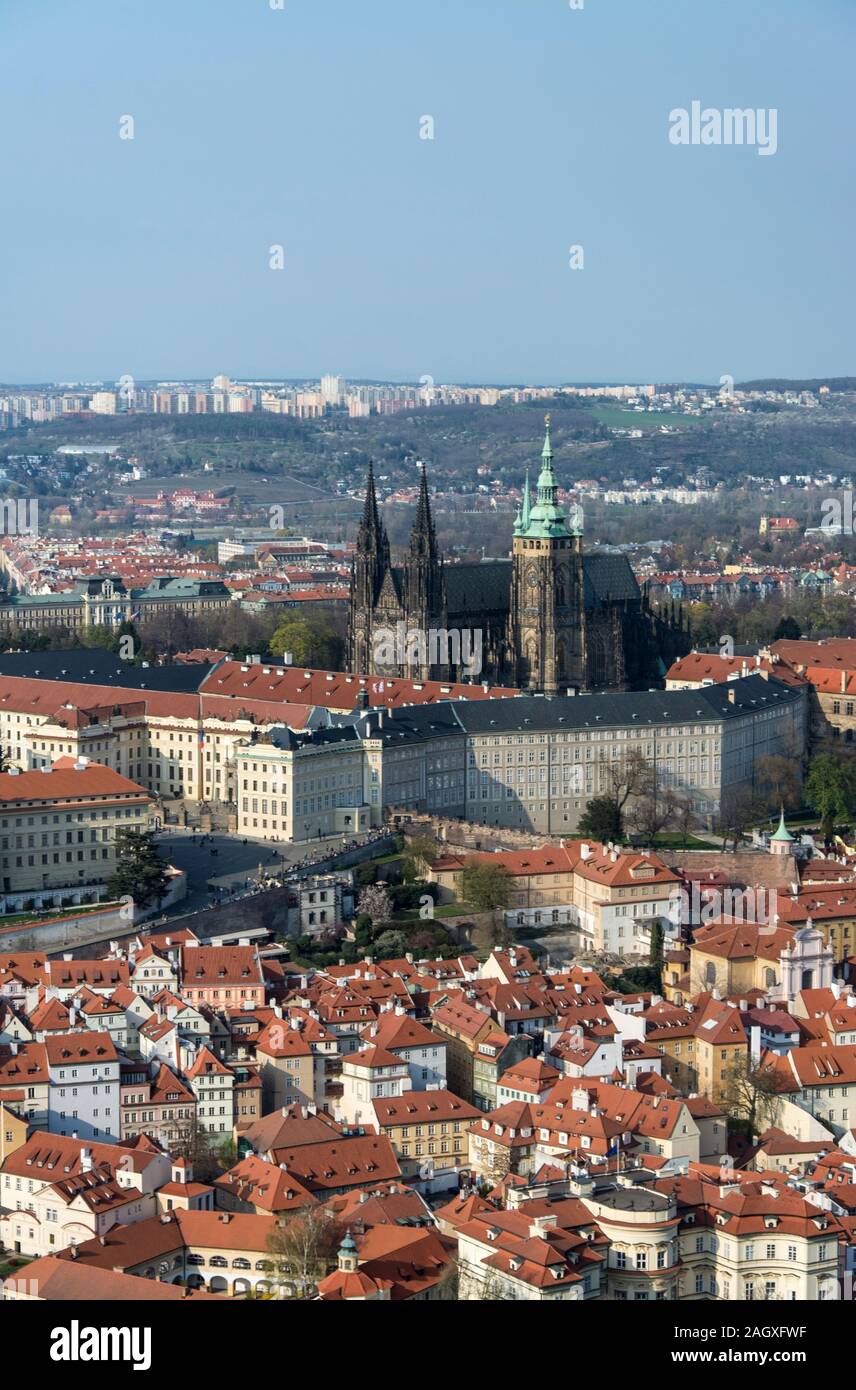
(546, 518)
(782, 833)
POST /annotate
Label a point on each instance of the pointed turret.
(547, 451)
(422, 541)
(547, 489)
(781, 839)
(545, 518)
(527, 504)
(371, 537)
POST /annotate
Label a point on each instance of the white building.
(83, 1075)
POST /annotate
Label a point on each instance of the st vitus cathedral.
(550, 619)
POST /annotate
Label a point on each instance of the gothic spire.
(372, 541)
(547, 490)
(372, 538)
(547, 451)
(545, 518)
(422, 540)
(370, 521)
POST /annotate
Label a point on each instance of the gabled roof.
(422, 1107)
(266, 1186)
(206, 1064)
(223, 966)
(77, 1049)
(345, 1161)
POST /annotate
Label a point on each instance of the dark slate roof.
(478, 587)
(283, 737)
(486, 587)
(95, 666)
(608, 577)
(413, 722)
(475, 588)
(609, 709)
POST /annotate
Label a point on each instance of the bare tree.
(419, 852)
(303, 1248)
(652, 812)
(684, 817)
(738, 808)
(778, 779)
(751, 1092)
(630, 777)
(209, 1154)
(449, 1283)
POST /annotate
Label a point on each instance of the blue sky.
(299, 127)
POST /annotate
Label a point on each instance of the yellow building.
(301, 787)
(14, 1130)
(737, 957)
(611, 896)
(671, 1029)
(286, 1065)
(720, 1041)
(58, 830)
(425, 1128)
(831, 909)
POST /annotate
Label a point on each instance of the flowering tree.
(374, 901)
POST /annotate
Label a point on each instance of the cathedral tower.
(546, 636)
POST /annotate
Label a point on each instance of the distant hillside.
(778, 383)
